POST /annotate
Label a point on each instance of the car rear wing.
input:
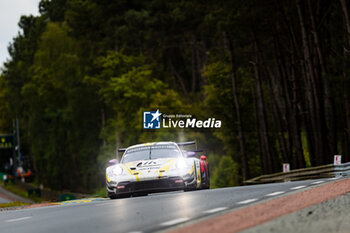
(186, 143)
(121, 149)
(178, 143)
(191, 153)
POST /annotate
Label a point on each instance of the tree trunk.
(347, 21)
(264, 140)
(103, 122)
(295, 118)
(346, 141)
(194, 65)
(312, 93)
(326, 109)
(263, 159)
(294, 104)
(178, 77)
(279, 115)
(280, 99)
(241, 136)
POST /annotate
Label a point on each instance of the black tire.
(203, 180)
(208, 177)
(205, 176)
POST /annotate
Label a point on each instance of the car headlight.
(117, 171)
(180, 164)
(114, 171)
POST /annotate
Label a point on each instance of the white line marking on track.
(298, 187)
(173, 222)
(274, 194)
(247, 201)
(334, 178)
(18, 219)
(215, 210)
(136, 232)
(318, 182)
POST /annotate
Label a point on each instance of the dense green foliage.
(226, 174)
(276, 73)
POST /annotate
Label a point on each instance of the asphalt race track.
(4, 200)
(142, 214)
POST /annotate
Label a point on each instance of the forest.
(275, 72)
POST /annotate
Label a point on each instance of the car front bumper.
(149, 186)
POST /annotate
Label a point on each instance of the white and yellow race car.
(156, 167)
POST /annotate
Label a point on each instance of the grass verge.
(21, 192)
(13, 204)
(102, 192)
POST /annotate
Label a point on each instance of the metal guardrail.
(324, 171)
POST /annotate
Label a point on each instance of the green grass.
(21, 192)
(16, 190)
(102, 192)
(13, 204)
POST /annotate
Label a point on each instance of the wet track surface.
(4, 200)
(142, 214)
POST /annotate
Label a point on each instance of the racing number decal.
(149, 163)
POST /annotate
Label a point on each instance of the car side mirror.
(113, 162)
(203, 157)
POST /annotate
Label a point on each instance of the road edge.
(240, 219)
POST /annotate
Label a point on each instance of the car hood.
(152, 164)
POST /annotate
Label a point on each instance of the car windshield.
(151, 152)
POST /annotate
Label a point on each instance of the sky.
(10, 13)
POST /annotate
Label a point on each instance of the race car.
(156, 167)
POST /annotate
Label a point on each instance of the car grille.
(153, 184)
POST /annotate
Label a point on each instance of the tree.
(226, 174)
